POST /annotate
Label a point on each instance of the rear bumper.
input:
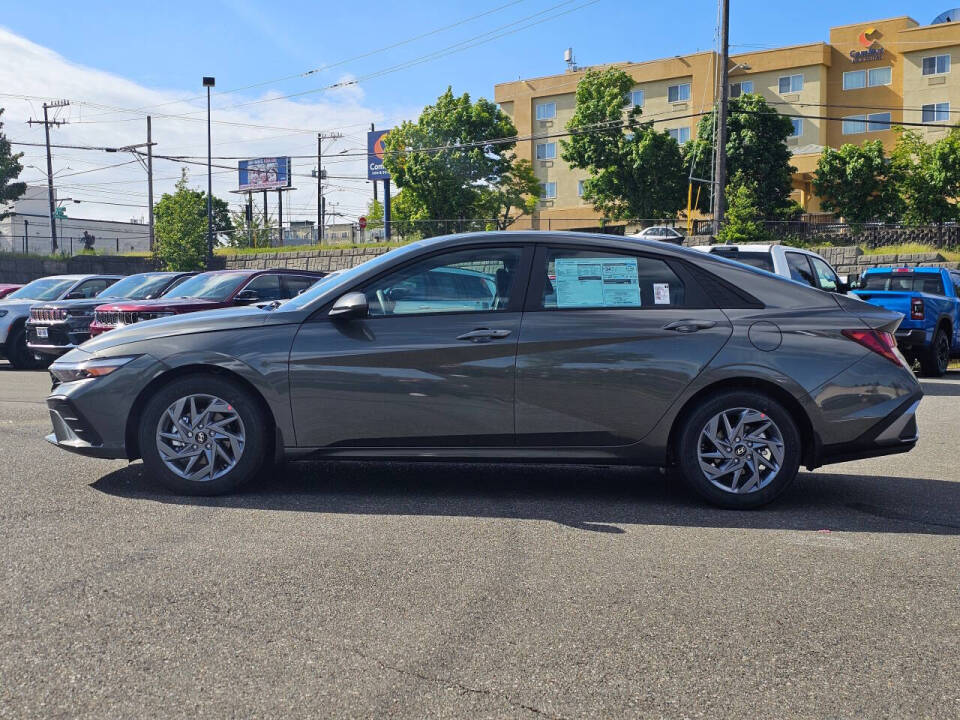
(911, 338)
(896, 433)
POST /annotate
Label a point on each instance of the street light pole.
(720, 168)
(209, 82)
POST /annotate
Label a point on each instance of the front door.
(433, 365)
(608, 343)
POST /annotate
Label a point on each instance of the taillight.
(880, 342)
(916, 309)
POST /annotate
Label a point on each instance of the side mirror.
(247, 297)
(350, 306)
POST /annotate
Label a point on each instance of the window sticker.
(597, 282)
(661, 293)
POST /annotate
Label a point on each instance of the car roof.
(80, 277)
(250, 271)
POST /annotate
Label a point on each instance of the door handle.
(483, 335)
(689, 326)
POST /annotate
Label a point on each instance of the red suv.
(208, 291)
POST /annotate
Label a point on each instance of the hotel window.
(546, 151)
(936, 65)
(681, 134)
(797, 127)
(879, 76)
(548, 190)
(939, 112)
(854, 124)
(791, 84)
(878, 121)
(579, 188)
(678, 93)
(741, 88)
(855, 80)
(635, 98)
(546, 111)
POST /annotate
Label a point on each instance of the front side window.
(267, 287)
(481, 280)
(599, 279)
(800, 269)
(825, 274)
(548, 190)
(790, 84)
(546, 111)
(935, 112)
(546, 151)
(936, 65)
(681, 135)
(678, 93)
(91, 288)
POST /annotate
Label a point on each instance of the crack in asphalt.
(454, 684)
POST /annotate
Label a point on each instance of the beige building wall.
(920, 90)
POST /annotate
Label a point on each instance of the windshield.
(347, 276)
(137, 287)
(209, 286)
(43, 289)
(761, 260)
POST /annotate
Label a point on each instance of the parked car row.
(519, 346)
(53, 315)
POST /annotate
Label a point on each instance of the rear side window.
(760, 260)
(599, 279)
(800, 269)
(267, 287)
(293, 285)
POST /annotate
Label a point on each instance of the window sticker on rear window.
(597, 282)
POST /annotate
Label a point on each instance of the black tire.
(689, 445)
(19, 355)
(935, 359)
(245, 405)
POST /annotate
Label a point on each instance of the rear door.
(610, 339)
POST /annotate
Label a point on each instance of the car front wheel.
(202, 435)
(739, 449)
(19, 355)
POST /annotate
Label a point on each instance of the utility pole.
(321, 176)
(46, 122)
(720, 167)
(209, 82)
(150, 181)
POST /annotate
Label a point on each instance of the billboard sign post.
(264, 174)
(375, 168)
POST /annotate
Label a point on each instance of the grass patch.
(904, 248)
(303, 248)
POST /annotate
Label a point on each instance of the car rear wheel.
(19, 355)
(935, 360)
(202, 435)
(739, 449)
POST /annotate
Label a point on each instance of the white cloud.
(280, 127)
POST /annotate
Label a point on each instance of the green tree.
(756, 147)
(927, 176)
(856, 182)
(254, 233)
(442, 160)
(375, 214)
(514, 196)
(636, 171)
(10, 169)
(744, 220)
(180, 226)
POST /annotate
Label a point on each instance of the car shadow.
(598, 499)
(947, 386)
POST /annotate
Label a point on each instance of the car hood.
(160, 304)
(85, 303)
(18, 305)
(232, 318)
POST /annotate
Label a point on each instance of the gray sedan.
(548, 347)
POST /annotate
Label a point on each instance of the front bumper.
(61, 337)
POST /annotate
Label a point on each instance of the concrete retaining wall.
(851, 261)
(322, 260)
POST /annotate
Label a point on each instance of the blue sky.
(104, 55)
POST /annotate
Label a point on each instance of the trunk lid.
(875, 316)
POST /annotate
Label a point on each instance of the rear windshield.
(756, 259)
(905, 282)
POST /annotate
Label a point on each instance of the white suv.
(795, 263)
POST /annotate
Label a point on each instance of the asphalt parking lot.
(365, 590)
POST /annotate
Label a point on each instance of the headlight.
(95, 367)
(153, 315)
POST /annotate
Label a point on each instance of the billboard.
(375, 168)
(264, 173)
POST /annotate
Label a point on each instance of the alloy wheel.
(740, 450)
(200, 437)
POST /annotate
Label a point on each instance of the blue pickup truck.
(929, 300)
